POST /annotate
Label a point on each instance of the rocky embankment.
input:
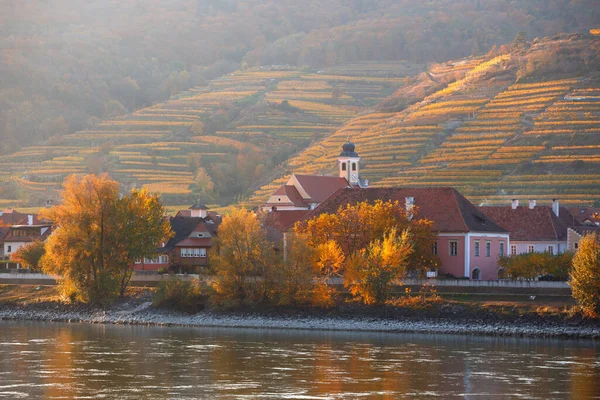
(449, 320)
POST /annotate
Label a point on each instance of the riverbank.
(442, 317)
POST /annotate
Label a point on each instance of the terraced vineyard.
(505, 128)
(252, 120)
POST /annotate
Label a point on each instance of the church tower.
(348, 164)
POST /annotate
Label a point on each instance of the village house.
(574, 235)
(194, 230)
(586, 215)
(533, 228)
(468, 242)
(18, 230)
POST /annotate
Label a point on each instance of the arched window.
(476, 274)
(353, 166)
(343, 166)
(501, 273)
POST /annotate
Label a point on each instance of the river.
(65, 361)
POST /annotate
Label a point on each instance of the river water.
(65, 361)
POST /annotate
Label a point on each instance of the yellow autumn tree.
(329, 260)
(585, 276)
(98, 235)
(294, 277)
(243, 260)
(372, 273)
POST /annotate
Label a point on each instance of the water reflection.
(124, 362)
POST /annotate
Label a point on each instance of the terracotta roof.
(292, 193)
(11, 217)
(536, 224)
(284, 220)
(581, 214)
(3, 232)
(448, 209)
(319, 188)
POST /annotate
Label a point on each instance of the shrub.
(585, 276)
(180, 294)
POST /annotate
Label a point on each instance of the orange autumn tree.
(354, 226)
(378, 243)
(98, 236)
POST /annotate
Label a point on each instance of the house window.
(576, 245)
(513, 249)
(434, 248)
(476, 248)
(164, 259)
(453, 248)
(530, 248)
(488, 249)
(9, 249)
(551, 250)
(192, 252)
(501, 252)
(353, 166)
(138, 260)
(343, 166)
(476, 274)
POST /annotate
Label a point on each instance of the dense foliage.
(98, 236)
(66, 63)
(29, 256)
(585, 277)
(536, 265)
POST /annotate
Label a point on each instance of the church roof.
(319, 188)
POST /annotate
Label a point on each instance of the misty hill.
(217, 142)
(521, 124)
(66, 64)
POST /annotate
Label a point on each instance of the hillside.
(215, 142)
(66, 64)
(521, 124)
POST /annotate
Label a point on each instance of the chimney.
(555, 207)
(30, 220)
(515, 204)
(531, 204)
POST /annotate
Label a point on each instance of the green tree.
(585, 276)
(98, 236)
(244, 260)
(29, 255)
(373, 272)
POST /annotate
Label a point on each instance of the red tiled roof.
(448, 209)
(11, 217)
(582, 214)
(319, 188)
(283, 220)
(292, 193)
(536, 224)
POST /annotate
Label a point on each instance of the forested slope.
(65, 64)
